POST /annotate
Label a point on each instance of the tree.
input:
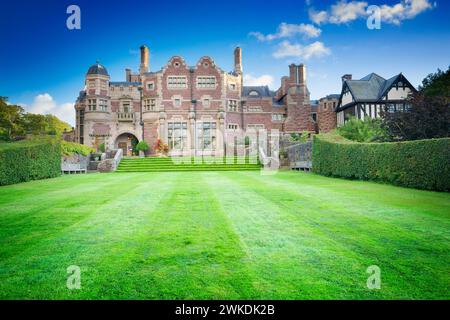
(11, 120)
(34, 123)
(437, 84)
(428, 117)
(55, 125)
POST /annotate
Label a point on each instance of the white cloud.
(344, 11)
(407, 9)
(318, 17)
(313, 50)
(45, 104)
(264, 80)
(286, 30)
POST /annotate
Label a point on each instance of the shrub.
(300, 137)
(101, 147)
(29, 160)
(142, 146)
(423, 164)
(161, 147)
(369, 130)
(69, 148)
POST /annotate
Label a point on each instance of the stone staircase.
(153, 164)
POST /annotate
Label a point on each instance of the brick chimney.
(302, 74)
(346, 77)
(145, 53)
(128, 75)
(297, 74)
(238, 60)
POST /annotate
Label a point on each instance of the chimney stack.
(238, 60)
(145, 53)
(302, 74)
(346, 77)
(128, 75)
(297, 74)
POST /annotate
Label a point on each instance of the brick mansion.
(196, 109)
(191, 108)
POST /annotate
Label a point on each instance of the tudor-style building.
(370, 95)
(193, 109)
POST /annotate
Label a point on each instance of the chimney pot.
(346, 77)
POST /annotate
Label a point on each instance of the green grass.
(189, 164)
(222, 235)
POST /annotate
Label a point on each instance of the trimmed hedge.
(29, 160)
(422, 164)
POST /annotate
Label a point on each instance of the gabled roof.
(372, 87)
(263, 91)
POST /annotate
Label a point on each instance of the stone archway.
(126, 141)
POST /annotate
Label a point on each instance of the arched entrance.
(127, 142)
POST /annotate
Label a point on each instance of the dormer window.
(253, 93)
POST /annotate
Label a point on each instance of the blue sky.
(42, 63)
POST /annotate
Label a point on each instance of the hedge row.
(29, 160)
(422, 164)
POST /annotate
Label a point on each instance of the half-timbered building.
(368, 96)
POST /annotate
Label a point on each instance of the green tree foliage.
(369, 130)
(15, 122)
(11, 120)
(427, 118)
(429, 113)
(437, 84)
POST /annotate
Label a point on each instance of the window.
(314, 116)
(177, 103)
(150, 104)
(233, 126)
(232, 105)
(176, 82)
(391, 107)
(103, 105)
(92, 104)
(255, 127)
(206, 103)
(206, 135)
(91, 84)
(253, 93)
(206, 82)
(177, 135)
(253, 109)
(150, 86)
(277, 116)
(126, 107)
(232, 86)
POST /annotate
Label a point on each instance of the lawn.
(222, 235)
